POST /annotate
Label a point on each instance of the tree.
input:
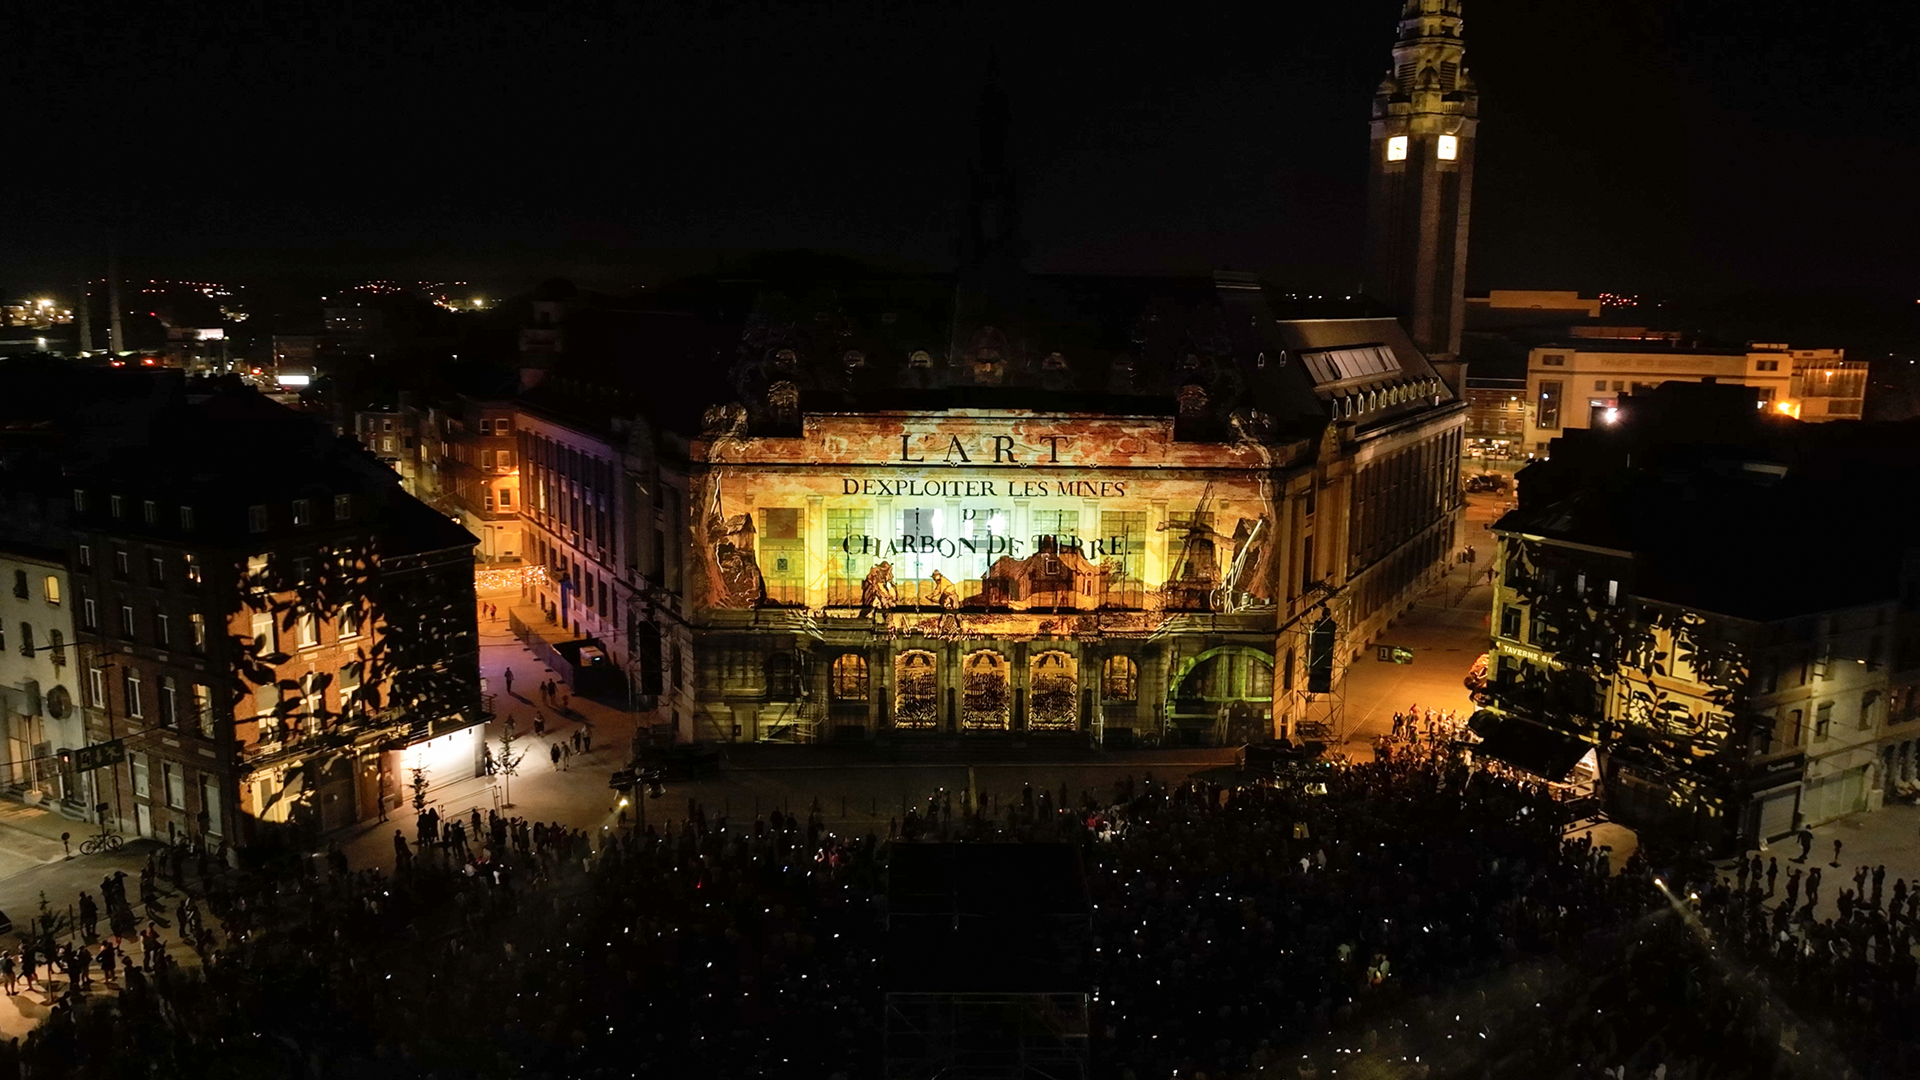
(46, 926)
(509, 764)
(420, 786)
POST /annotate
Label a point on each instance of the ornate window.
(1120, 679)
(988, 691)
(916, 690)
(849, 677)
(1054, 686)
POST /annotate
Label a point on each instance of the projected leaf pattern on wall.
(1675, 685)
(415, 654)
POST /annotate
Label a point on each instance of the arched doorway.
(916, 690)
(1222, 697)
(987, 701)
(1053, 683)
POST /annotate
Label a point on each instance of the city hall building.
(999, 505)
(979, 546)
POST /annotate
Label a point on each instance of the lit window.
(203, 708)
(1448, 148)
(51, 584)
(309, 631)
(1119, 679)
(1397, 148)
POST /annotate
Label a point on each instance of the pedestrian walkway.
(24, 1010)
(1888, 837)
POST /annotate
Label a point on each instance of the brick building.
(273, 631)
(478, 477)
(1728, 694)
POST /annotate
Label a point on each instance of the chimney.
(86, 317)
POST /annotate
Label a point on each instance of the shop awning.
(1529, 747)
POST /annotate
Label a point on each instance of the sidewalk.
(35, 865)
(1884, 837)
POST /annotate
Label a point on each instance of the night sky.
(1624, 145)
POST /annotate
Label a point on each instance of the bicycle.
(105, 842)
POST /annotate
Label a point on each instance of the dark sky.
(1624, 144)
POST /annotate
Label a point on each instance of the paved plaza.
(854, 790)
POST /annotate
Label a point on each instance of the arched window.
(849, 677)
(1120, 679)
(987, 690)
(1053, 687)
(916, 690)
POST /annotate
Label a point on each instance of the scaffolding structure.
(1321, 717)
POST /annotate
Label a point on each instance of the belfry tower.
(1420, 178)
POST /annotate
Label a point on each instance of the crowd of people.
(1410, 917)
(1416, 727)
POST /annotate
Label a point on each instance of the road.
(1447, 631)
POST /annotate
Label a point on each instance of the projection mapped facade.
(999, 570)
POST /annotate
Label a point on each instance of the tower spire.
(1420, 177)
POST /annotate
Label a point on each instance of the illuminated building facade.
(40, 708)
(915, 526)
(1569, 384)
(275, 637)
(1827, 385)
(604, 512)
(478, 474)
(1635, 613)
(1496, 418)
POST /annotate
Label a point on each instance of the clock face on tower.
(1448, 147)
(1397, 148)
